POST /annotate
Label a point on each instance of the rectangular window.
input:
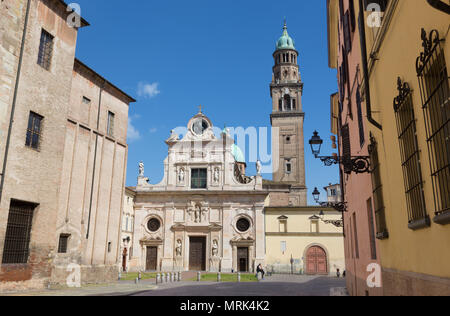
(382, 231)
(45, 50)
(63, 242)
(410, 155)
(283, 226)
(199, 178)
(373, 247)
(435, 92)
(34, 130)
(110, 129)
(18, 233)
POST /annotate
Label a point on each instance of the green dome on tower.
(285, 41)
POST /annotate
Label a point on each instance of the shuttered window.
(377, 187)
(362, 138)
(347, 34)
(346, 149)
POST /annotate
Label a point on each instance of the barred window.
(199, 179)
(380, 217)
(410, 156)
(435, 93)
(110, 130)
(34, 130)
(18, 233)
(63, 242)
(45, 50)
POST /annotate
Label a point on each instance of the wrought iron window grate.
(63, 243)
(18, 233)
(45, 50)
(34, 130)
(435, 92)
(410, 156)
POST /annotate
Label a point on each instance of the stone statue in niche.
(215, 248)
(216, 175)
(141, 169)
(179, 248)
(181, 175)
(198, 214)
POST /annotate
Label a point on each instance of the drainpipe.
(439, 5)
(362, 36)
(95, 158)
(13, 106)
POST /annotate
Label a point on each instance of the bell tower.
(287, 116)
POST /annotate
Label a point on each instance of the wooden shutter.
(346, 148)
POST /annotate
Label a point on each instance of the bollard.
(120, 275)
(163, 277)
(259, 275)
(136, 281)
(167, 280)
(199, 276)
(140, 276)
(179, 276)
(239, 277)
(172, 277)
(219, 278)
(158, 278)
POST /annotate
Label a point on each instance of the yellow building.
(408, 59)
(299, 241)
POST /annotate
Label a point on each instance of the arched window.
(280, 105)
(287, 102)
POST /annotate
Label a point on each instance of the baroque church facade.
(206, 214)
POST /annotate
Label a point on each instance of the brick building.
(63, 152)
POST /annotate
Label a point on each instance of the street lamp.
(316, 143)
(339, 206)
(357, 164)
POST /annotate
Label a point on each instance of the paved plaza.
(277, 285)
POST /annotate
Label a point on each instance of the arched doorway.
(316, 261)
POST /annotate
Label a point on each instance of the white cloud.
(153, 130)
(133, 133)
(148, 90)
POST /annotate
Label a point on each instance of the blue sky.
(174, 55)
